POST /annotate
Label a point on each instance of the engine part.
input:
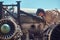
(9, 29)
(52, 33)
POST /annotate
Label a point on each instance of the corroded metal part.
(13, 29)
(52, 32)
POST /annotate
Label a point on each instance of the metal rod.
(10, 5)
(18, 12)
(1, 3)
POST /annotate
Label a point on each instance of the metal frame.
(18, 10)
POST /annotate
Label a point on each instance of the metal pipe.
(1, 6)
(18, 12)
(10, 5)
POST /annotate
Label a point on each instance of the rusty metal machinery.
(9, 26)
(52, 33)
(9, 29)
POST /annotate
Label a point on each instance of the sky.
(45, 4)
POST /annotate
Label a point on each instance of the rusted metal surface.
(52, 16)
